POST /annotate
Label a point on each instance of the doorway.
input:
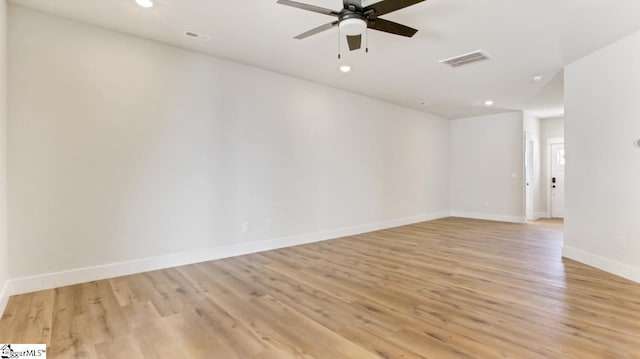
(556, 179)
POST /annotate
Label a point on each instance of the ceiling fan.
(353, 19)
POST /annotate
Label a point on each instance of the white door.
(528, 164)
(557, 180)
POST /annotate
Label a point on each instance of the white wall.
(552, 127)
(122, 149)
(487, 167)
(4, 255)
(603, 166)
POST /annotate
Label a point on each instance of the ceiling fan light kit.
(353, 26)
(354, 19)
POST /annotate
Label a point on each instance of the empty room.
(319, 179)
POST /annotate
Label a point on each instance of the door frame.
(550, 142)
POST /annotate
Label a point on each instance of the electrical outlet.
(267, 223)
(622, 242)
(245, 226)
(486, 204)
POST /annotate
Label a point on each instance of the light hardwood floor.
(451, 288)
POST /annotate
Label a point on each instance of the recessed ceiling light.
(488, 103)
(537, 78)
(345, 68)
(145, 3)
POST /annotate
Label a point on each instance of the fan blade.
(355, 42)
(308, 7)
(318, 29)
(392, 27)
(387, 6)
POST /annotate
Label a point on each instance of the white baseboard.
(605, 264)
(538, 215)
(88, 274)
(4, 297)
(488, 216)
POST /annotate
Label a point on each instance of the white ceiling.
(524, 38)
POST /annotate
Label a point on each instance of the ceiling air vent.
(466, 59)
(195, 35)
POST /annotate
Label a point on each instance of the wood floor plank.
(73, 329)
(123, 345)
(157, 339)
(29, 319)
(450, 288)
(361, 325)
